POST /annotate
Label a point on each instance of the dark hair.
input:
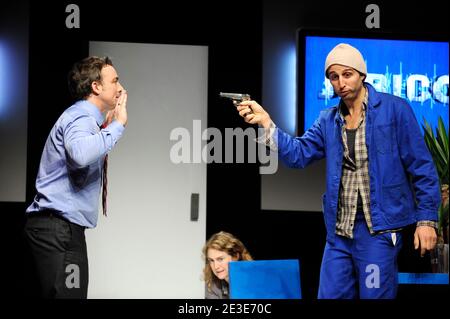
(85, 72)
(362, 74)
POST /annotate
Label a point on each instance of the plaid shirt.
(355, 177)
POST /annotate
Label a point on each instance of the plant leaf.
(443, 136)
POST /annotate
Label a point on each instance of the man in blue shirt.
(380, 178)
(70, 175)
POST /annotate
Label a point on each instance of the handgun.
(236, 98)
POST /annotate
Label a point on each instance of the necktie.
(104, 179)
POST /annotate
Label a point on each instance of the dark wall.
(14, 26)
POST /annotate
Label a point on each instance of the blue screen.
(414, 70)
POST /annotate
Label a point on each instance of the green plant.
(439, 148)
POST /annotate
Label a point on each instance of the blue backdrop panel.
(265, 279)
(423, 278)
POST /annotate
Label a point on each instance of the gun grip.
(249, 112)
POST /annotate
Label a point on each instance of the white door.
(148, 247)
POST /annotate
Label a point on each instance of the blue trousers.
(363, 267)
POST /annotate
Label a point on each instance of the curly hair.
(85, 72)
(225, 242)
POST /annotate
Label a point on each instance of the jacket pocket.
(63, 233)
(394, 205)
(384, 138)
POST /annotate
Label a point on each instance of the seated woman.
(219, 250)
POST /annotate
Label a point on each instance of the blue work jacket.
(404, 186)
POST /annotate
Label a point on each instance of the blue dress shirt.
(70, 173)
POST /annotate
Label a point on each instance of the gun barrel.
(235, 96)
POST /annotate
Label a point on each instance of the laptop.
(265, 279)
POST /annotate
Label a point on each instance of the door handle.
(194, 206)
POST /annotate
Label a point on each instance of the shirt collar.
(92, 110)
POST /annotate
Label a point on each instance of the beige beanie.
(345, 54)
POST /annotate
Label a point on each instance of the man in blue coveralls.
(380, 178)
